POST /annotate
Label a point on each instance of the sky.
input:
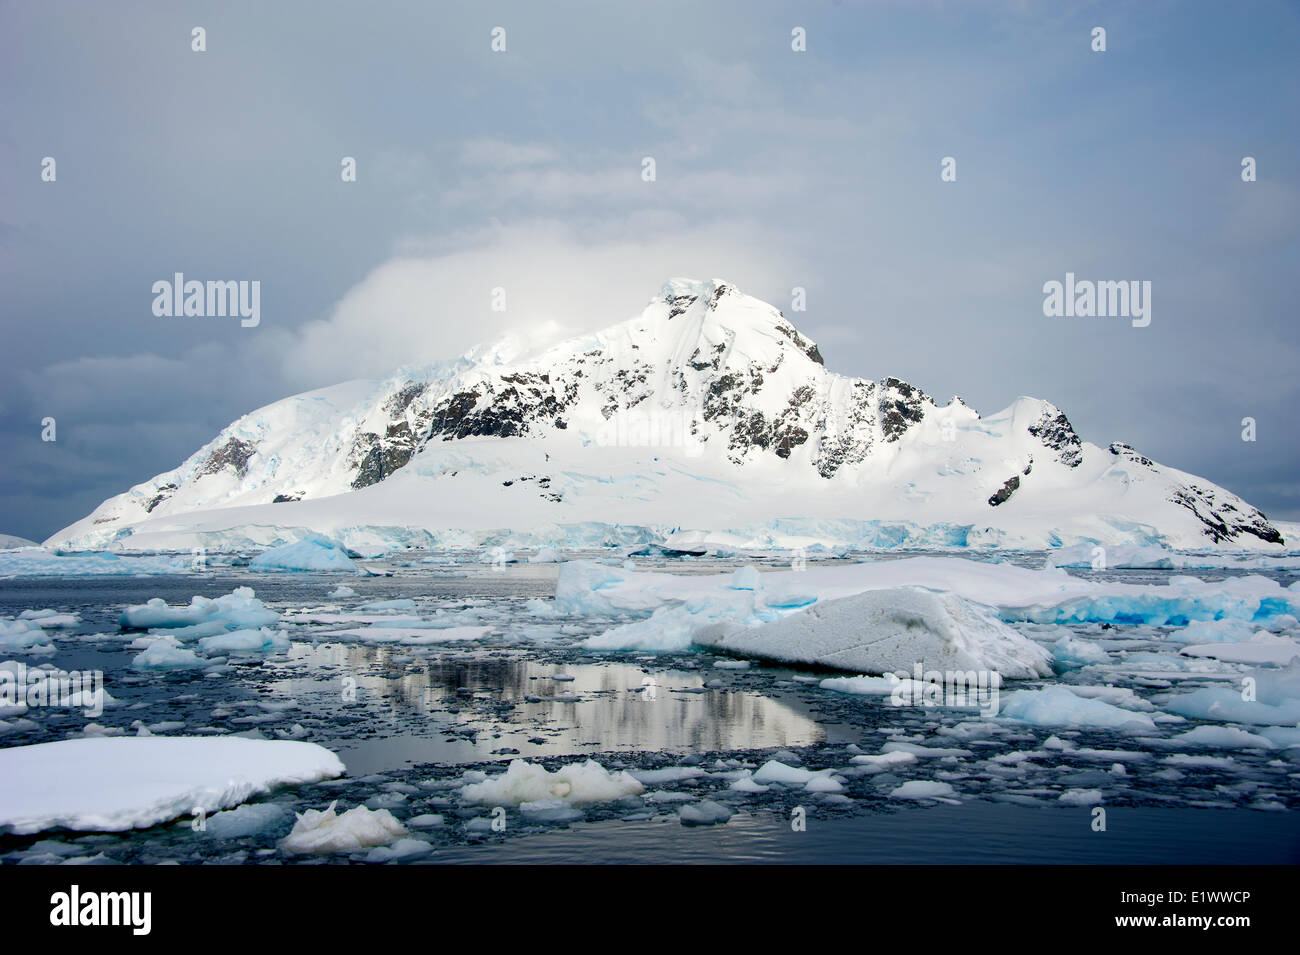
(521, 169)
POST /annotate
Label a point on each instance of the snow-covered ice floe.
(886, 631)
(110, 784)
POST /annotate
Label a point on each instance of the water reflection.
(468, 707)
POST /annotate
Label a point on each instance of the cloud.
(422, 308)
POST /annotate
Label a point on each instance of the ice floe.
(114, 783)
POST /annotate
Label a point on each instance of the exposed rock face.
(234, 454)
(1055, 432)
(1004, 493)
(1225, 519)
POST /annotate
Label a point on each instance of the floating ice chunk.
(747, 578)
(262, 640)
(313, 553)
(1262, 648)
(38, 562)
(924, 752)
(529, 782)
(1080, 797)
(923, 789)
(883, 762)
(1058, 706)
(50, 619)
(1222, 737)
(1226, 705)
(704, 813)
(546, 555)
(160, 655)
(1071, 651)
(23, 636)
(823, 784)
(318, 832)
(109, 784)
(551, 811)
(775, 771)
(669, 774)
(403, 850)
(237, 610)
(746, 784)
(250, 819)
(409, 636)
(1214, 631)
(342, 591)
(885, 631)
(861, 685)
(399, 603)
(425, 821)
(1120, 696)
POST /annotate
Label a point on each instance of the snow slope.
(709, 415)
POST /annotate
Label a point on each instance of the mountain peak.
(710, 406)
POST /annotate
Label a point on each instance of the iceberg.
(889, 631)
(313, 553)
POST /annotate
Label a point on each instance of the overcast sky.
(522, 169)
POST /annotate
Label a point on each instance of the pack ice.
(887, 631)
(110, 784)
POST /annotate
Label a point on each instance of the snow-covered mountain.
(708, 418)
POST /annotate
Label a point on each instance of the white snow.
(110, 784)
